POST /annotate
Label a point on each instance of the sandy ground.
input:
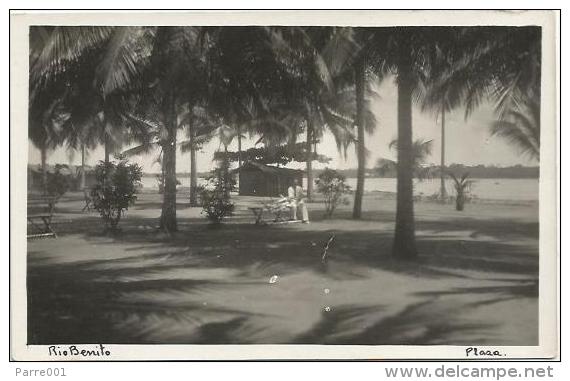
(475, 282)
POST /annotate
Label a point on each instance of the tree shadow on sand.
(87, 299)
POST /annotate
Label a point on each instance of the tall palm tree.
(409, 54)
(45, 120)
(155, 60)
(128, 58)
(500, 64)
(359, 79)
(169, 56)
(81, 137)
(435, 94)
(314, 59)
(69, 57)
(366, 49)
(221, 68)
(65, 58)
(242, 77)
(404, 238)
(202, 127)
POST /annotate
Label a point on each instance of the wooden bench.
(279, 208)
(40, 214)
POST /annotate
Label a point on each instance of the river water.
(493, 189)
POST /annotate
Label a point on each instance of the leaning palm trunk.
(404, 238)
(168, 216)
(360, 147)
(193, 173)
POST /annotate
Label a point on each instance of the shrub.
(115, 189)
(57, 182)
(216, 198)
(334, 189)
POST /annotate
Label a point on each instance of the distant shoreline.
(474, 171)
(391, 196)
(204, 175)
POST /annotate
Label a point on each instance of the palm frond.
(521, 127)
(55, 49)
(123, 59)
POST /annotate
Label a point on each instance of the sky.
(468, 141)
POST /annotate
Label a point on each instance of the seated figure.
(297, 201)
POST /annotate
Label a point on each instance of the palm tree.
(155, 61)
(359, 79)
(436, 95)
(168, 54)
(421, 149)
(493, 62)
(205, 67)
(406, 52)
(359, 85)
(462, 186)
(443, 108)
(45, 121)
(82, 137)
(409, 54)
(72, 58)
(45, 106)
(113, 57)
(202, 127)
(496, 63)
(238, 64)
(404, 238)
(500, 64)
(315, 59)
(366, 50)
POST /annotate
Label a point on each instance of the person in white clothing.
(297, 200)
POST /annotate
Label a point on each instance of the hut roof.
(270, 169)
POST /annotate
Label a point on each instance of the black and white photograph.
(358, 181)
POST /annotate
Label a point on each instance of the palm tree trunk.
(168, 216)
(309, 158)
(360, 147)
(193, 173)
(442, 191)
(107, 148)
(404, 238)
(44, 169)
(82, 166)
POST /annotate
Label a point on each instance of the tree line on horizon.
(169, 88)
(475, 171)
